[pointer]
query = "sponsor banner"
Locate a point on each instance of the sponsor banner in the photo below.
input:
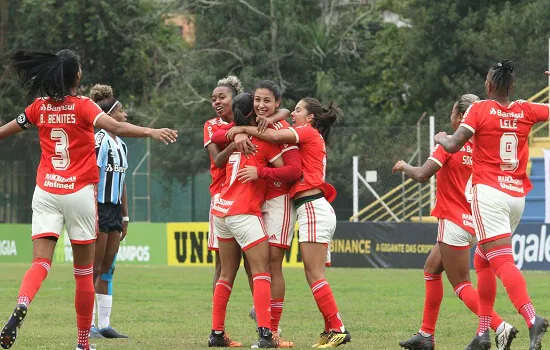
(377, 245)
(187, 245)
(144, 244)
(531, 247)
(547, 185)
(15, 243)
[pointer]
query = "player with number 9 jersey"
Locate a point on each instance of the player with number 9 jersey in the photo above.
(500, 157)
(500, 129)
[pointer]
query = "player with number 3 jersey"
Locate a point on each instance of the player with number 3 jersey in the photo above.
(65, 193)
(501, 151)
(455, 235)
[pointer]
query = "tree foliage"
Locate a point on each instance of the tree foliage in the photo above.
(382, 74)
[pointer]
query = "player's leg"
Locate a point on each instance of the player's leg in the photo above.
(80, 213)
(317, 225)
(101, 243)
(279, 217)
(433, 295)
(47, 223)
(104, 299)
(249, 232)
(230, 259)
(455, 254)
(496, 215)
(213, 244)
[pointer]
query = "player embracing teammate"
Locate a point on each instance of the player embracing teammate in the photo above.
(500, 128)
(311, 194)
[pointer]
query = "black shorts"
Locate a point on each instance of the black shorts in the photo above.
(110, 217)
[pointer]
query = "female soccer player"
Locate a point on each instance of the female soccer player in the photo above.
(66, 178)
(222, 96)
(239, 226)
(316, 218)
(277, 211)
(112, 161)
(500, 184)
(456, 233)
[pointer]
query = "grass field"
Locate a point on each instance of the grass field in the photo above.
(169, 308)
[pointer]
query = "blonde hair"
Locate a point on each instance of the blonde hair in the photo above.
(233, 83)
(101, 92)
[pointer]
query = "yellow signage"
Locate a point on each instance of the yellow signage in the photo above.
(187, 245)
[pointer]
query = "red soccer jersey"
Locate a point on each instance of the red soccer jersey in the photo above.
(218, 174)
(66, 133)
(245, 198)
(501, 150)
(454, 184)
(278, 188)
(314, 162)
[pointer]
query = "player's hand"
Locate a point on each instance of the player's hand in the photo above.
(124, 230)
(248, 173)
(230, 134)
(398, 167)
(164, 135)
(440, 137)
(547, 73)
(263, 123)
(244, 145)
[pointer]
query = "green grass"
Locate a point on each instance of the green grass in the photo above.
(169, 308)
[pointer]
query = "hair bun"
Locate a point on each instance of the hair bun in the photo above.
(101, 92)
(507, 65)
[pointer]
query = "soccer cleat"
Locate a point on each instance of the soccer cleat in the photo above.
(280, 343)
(222, 340)
(336, 339)
(81, 347)
(480, 342)
(9, 332)
(252, 315)
(536, 332)
(110, 333)
(418, 342)
(504, 339)
(323, 339)
(265, 339)
(94, 333)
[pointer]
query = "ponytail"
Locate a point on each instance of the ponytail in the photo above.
(323, 116)
(44, 73)
(503, 76)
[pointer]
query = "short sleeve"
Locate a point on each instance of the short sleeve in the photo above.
(100, 148)
(29, 116)
(539, 112)
(273, 152)
(439, 156)
(471, 118)
(89, 111)
(208, 132)
(285, 147)
(303, 133)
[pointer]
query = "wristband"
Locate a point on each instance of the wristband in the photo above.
(125, 219)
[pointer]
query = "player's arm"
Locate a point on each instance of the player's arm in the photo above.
(454, 143)
(219, 136)
(221, 158)
(286, 169)
(265, 122)
(418, 174)
(273, 136)
(165, 135)
(10, 128)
